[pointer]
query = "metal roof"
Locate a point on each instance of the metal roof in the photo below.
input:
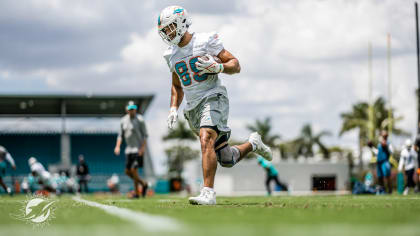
(53, 126)
(70, 105)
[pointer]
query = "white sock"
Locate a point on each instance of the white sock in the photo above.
(209, 189)
(254, 147)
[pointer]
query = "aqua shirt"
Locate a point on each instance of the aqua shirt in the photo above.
(272, 171)
(382, 155)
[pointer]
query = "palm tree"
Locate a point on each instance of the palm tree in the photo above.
(264, 129)
(180, 152)
(304, 144)
(358, 119)
(180, 133)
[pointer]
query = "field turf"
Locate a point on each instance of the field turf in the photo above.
(262, 216)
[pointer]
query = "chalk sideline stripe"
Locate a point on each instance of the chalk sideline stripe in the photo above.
(143, 220)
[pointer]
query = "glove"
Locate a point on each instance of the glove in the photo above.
(208, 66)
(172, 118)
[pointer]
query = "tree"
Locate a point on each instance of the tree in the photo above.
(358, 119)
(180, 133)
(181, 151)
(305, 142)
(264, 129)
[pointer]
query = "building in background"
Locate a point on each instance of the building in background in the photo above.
(56, 129)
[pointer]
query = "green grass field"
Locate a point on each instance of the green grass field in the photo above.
(263, 216)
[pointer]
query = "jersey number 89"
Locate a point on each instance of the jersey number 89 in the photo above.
(182, 69)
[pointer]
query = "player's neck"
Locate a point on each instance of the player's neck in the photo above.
(185, 40)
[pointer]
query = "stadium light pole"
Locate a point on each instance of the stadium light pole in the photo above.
(390, 118)
(418, 67)
(371, 124)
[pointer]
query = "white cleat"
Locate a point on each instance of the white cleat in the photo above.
(206, 197)
(260, 147)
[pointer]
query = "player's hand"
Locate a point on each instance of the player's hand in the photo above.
(141, 152)
(172, 118)
(117, 151)
(14, 167)
(208, 66)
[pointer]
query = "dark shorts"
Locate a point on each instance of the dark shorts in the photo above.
(133, 161)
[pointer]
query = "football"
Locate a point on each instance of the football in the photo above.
(215, 58)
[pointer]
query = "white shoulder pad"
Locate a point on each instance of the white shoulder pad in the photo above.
(167, 55)
(215, 45)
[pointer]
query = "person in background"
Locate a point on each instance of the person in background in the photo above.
(44, 178)
(5, 155)
(417, 149)
(272, 174)
(133, 130)
(408, 161)
(113, 183)
(82, 174)
(383, 167)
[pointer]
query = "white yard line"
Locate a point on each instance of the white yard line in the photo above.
(144, 221)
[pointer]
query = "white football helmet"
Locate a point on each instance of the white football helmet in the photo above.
(177, 20)
(408, 143)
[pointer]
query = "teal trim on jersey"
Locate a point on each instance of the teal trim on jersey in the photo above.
(178, 10)
(195, 70)
(183, 74)
(159, 22)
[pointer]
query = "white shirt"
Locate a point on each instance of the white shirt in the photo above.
(182, 61)
(39, 169)
(134, 132)
(407, 159)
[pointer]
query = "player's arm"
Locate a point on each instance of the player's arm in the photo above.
(230, 62)
(177, 93)
(119, 141)
(10, 159)
(143, 131)
(142, 148)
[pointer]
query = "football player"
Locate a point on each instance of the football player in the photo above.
(5, 155)
(195, 61)
(43, 177)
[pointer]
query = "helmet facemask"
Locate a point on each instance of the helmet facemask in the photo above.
(173, 23)
(169, 34)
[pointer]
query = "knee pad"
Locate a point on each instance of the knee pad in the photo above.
(227, 156)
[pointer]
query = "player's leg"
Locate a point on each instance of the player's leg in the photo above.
(380, 175)
(209, 165)
(387, 173)
(137, 179)
(128, 165)
(227, 155)
(267, 184)
(209, 160)
(3, 184)
(410, 180)
(136, 182)
(3, 174)
(279, 183)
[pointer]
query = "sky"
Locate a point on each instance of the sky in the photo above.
(303, 61)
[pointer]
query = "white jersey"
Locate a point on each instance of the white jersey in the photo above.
(182, 61)
(39, 169)
(407, 159)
